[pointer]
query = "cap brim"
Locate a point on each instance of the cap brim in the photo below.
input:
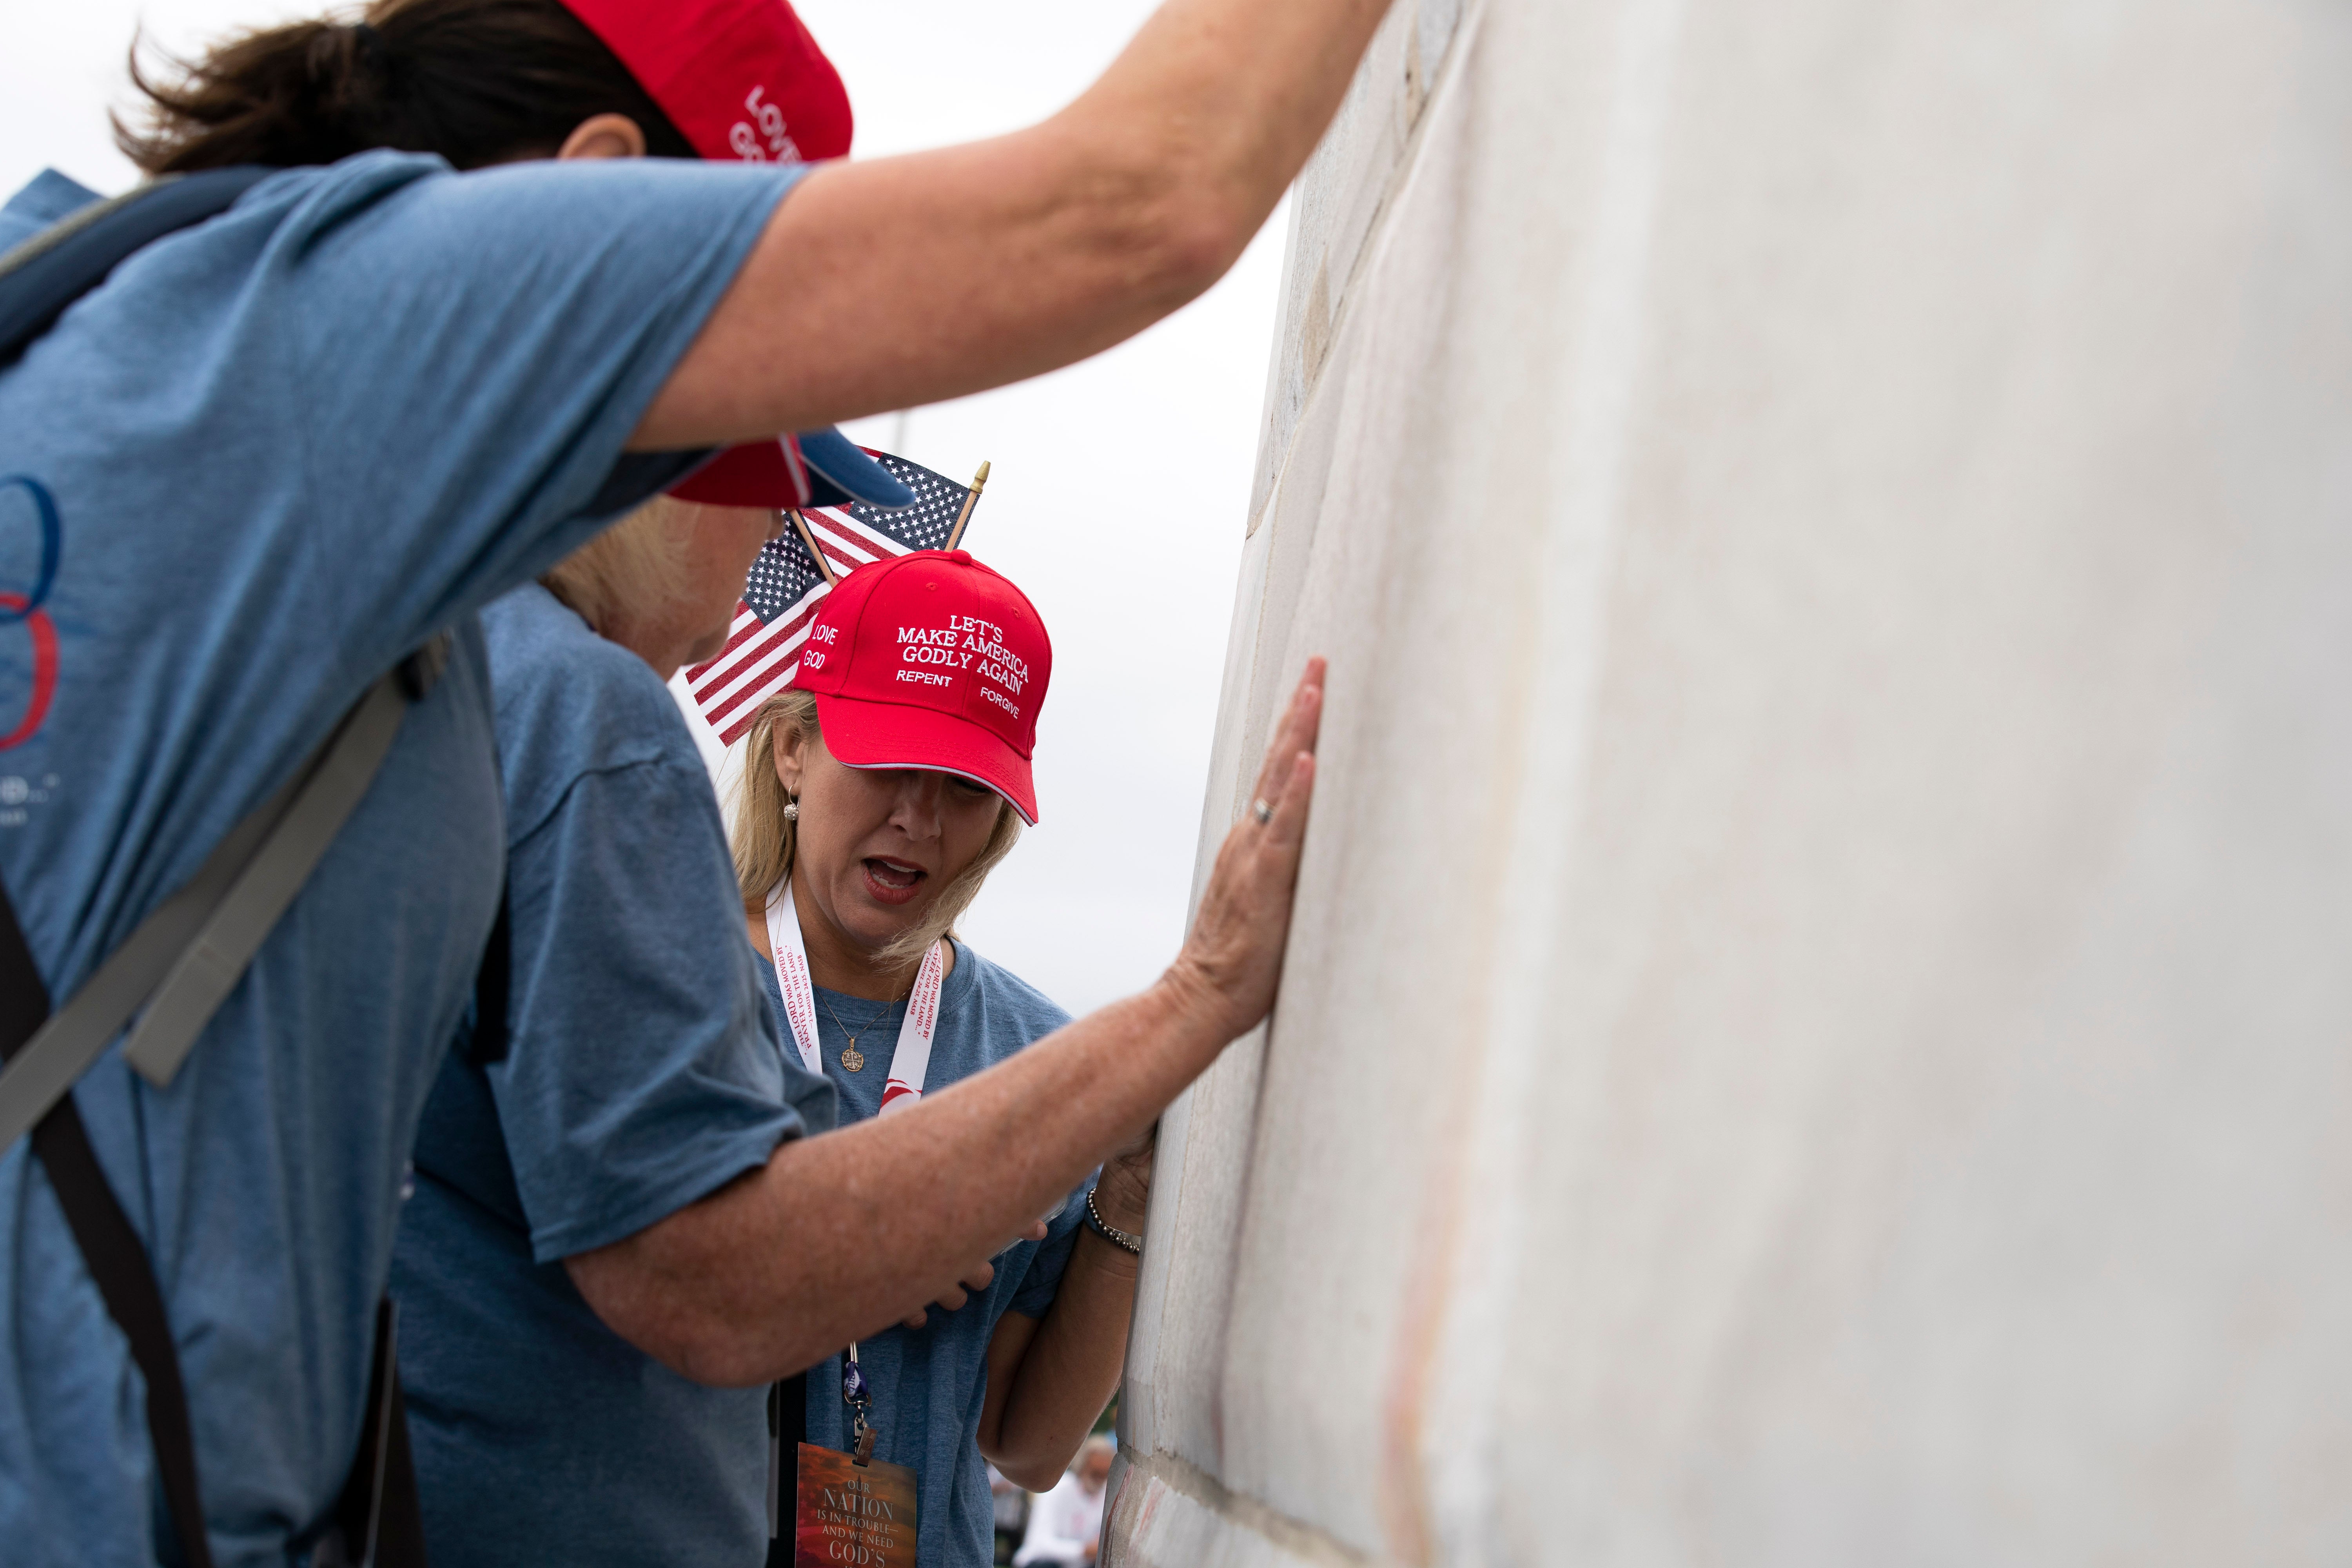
(840, 472)
(896, 736)
(815, 468)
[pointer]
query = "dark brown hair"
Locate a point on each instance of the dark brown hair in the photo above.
(478, 81)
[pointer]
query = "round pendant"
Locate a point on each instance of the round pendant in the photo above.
(851, 1059)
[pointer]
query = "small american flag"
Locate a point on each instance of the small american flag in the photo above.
(779, 599)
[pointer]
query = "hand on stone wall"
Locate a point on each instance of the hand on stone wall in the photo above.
(1232, 962)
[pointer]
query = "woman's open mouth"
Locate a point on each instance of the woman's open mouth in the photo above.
(893, 881)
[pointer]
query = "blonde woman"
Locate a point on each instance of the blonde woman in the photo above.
(878, 794)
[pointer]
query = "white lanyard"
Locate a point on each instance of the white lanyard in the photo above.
(910, 1059)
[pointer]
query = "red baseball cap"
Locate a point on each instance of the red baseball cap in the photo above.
(931, 660)
(815, 468)
(740, 80)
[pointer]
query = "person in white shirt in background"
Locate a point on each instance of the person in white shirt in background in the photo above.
(1011, 1506)
(1065, 1525)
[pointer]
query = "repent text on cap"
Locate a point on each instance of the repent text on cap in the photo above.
(931, 660)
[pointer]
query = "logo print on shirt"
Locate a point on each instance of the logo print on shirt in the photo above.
(24, 610)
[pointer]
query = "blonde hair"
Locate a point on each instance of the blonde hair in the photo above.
(636, 568)
(765, 837)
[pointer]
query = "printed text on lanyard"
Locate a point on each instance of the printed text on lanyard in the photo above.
(910, 1058)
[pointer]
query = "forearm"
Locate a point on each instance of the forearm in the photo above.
(909, 280)
(1071, 1367)
(1234, 93)
(840, 1235)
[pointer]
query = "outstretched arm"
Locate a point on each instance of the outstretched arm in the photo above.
(909, 281)
(839, 1235)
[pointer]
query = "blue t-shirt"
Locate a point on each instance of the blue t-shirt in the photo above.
(285, 447)
(929, 1383)
(642, 1072)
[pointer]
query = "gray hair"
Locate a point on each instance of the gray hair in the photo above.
(635, 569)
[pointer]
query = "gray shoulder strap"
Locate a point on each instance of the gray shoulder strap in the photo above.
(188, 954)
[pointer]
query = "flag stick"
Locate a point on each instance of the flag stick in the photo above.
(810, 540)
(979, 483)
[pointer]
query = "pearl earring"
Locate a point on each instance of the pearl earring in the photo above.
(791, 810)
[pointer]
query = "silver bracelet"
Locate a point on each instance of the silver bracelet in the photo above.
(1110, 1232)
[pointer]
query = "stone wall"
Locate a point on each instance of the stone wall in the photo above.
(1819, 1024)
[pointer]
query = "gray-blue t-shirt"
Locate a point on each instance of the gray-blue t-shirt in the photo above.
(285, 447)
(929, 1383)
(642, 1071)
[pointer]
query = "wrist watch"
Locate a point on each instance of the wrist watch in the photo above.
(1110, 1232)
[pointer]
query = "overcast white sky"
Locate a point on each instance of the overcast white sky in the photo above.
(1119, 486)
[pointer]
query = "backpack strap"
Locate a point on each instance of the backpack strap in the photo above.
(117, 1263)
(189, 953)
(69, 258)
(109, 1249)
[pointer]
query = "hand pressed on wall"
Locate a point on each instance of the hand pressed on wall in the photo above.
(1232, 961)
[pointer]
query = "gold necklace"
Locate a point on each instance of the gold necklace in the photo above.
(852, 1059)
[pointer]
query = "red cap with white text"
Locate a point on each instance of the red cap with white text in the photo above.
(931, 660)
(742, 80)
(739, 79)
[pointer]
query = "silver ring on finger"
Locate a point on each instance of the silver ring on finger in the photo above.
(1263, 809)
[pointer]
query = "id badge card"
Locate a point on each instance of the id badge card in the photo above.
(845, 1513)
